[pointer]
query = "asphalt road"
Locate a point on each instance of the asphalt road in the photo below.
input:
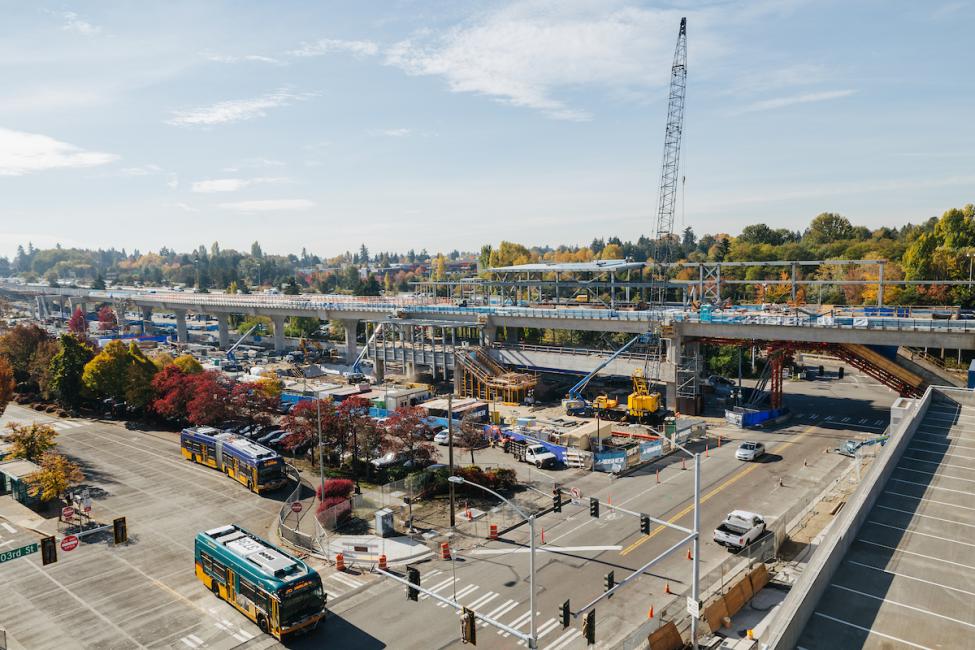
(493, 579)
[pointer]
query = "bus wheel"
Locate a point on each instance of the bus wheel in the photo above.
(215, 588)
(262, 623)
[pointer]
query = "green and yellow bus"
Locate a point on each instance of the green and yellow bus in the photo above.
(247, 462)
(280, 593)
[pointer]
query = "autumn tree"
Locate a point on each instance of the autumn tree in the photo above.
(39, 369)
(7, 384)
(19, 345)
(208, 404)
(303, 424)
(107, 320)
(30, 441)
(174, 390)
(256, 401)
(471, 434)
(359, 430)
(77, 323)
(188, 364)
(56, 475)
(406, 433)
(107, 373)
(139, 375)
(67, 368)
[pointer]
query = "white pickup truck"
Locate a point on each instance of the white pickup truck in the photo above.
(739, 529)
(533, 453)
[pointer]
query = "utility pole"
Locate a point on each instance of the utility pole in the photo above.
(696, 570)
(321, 465)
(450, 453)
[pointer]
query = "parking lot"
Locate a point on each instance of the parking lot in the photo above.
(145, 593)
(909, 578)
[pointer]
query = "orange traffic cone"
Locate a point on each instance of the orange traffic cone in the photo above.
(650, 613)
(339, 562)
(382, 562)
(690, 556)
(666, 587)
(543, 536)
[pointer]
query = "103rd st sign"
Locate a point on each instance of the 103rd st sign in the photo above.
(15, 553)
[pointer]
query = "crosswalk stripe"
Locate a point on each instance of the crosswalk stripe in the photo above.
(346, 580)
(188, 642)
(460, 594)
(515, 624)
(564, 640)
(501, 611)
(437, 588)
(9, 528)
(483, 600)
(547, 627)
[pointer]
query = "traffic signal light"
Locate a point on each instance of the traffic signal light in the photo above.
(593, 507)
(121, 531)
(468, 627)
(414, 576)
(610, 582)
(645, 524)
(564, 614)
(557, 501)
(589, 627)
(49, 551)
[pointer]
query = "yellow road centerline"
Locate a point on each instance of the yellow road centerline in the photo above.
(737, 477)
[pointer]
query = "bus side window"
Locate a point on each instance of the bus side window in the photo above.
(253, 594)
(213, 568)
(228, 460)
(211, 451)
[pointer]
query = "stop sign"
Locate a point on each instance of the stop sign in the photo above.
(69, 543)
(296, 506)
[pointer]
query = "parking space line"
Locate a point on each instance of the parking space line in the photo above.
(941, 503)
(934, 462)
(915, 532)
(929, 486)
(917, 514)
(941, 454)
(918, 471)
(904, 575)
(940, 444)
(904, 605)
(900, 550)
(869, 631)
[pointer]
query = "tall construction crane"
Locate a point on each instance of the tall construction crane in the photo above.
(669, 172)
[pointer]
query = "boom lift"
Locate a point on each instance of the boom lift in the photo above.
(355, 374)
(576, 404)
(231, 357)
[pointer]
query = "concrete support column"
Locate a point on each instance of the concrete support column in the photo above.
(511, 335)
(182, 335)
(223, 331)
(351, 347)
(146, 317)
(379, 370)
(278, 322)
(880, 285)
(489, 334)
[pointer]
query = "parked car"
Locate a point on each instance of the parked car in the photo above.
(389, 459)
(739, 529)
(442, 437)
(268, 436)
(750, 450)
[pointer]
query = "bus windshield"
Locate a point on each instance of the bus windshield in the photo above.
(268, 473)
(301, 604)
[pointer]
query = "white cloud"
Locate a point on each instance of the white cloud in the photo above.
(392, 133)
(172, 181)
(185, 207)
(230, 58)
(231, 184)
(325, 46)
(74, 23)
(144, 170)
(269, 205)
(529, 53)
(235, 110)
(22, 153)
(791, 100)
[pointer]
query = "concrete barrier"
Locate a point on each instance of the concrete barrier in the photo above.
(794, 612)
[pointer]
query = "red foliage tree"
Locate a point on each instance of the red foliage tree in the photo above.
(406, 432)
(174, 390)
(252, 403)
(77, 323)
(107, 320)
(209, 403)
(302, 422)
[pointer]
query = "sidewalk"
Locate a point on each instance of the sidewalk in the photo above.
(22, 516)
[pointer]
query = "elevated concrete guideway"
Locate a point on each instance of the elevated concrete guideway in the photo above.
(917, 332)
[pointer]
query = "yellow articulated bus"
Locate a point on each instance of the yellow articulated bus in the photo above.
(280, 593)
(247, 462)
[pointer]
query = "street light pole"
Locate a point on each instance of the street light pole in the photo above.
(696, 570)
(321, 465)
(450, 454)
(533, 641)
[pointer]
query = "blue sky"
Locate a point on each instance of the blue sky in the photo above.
(442, 125)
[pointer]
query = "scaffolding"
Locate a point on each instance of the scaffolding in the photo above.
(477, 375)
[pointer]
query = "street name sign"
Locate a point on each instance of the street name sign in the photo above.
(15, 553)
